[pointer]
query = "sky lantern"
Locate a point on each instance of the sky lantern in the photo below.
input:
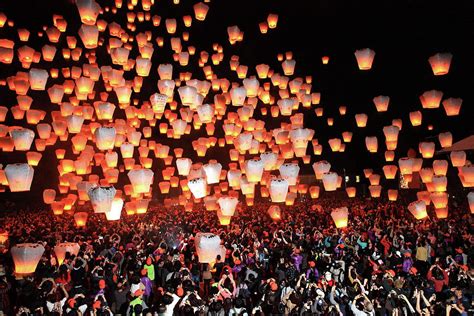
(288, 67)
(452, 106)
(269, 160)
(458, 158)
(278, 190)
(272, 20)
(330, 181)
(325, 60)
(351, 192)
(439, 199)
(365, 58)
(49, 195)
(371, 143)
(88, 10)
(227, 205)
(19, 176)
(406, 165)
(375, 190)
(274, 211)
(440, 63)
(101, 198)
(468, 173)
(439, 183)
(390, 171)
(431, 99)
(392, 195)
(254, 169)
(427, 149)
(361, 119)
(289, 172)
(445, 139)
(208, 246)
(470, 199)
(115, 211)
(61, 249)
(81, 219)
(38, 78)
(26, 257)
(440, 167)
(340, 217)
(22, 138)
(105, 138)
(320, 168)
(198, 187)
(89, 35)
(415, 118)
(381, 103)
(184, 166)
(141, 179)
(212, 170)
(418, 209)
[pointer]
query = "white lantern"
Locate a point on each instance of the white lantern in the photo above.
(26, 257)
(418, 209)
(289, 172)
(330, 181)
(184, 166)
(238, 96)
(234, 176)
(206, 113)
(470, 199)
(22, 138)
(105, 138)
(19, 176)
(101, 198)
(278, 190)
(158, 102)
(320, 168)
(62, 248)
(88, 10)
(340, 216)
(198, 187)
(227, 205)
(208, 246)
(365, 58)
(213, 172)
(269, 159)
(141, 180)
(254, 169)
(115, 211)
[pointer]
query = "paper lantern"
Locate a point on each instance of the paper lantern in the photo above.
(391, 133)
(351, 192)
(406, 165)
(62, 248)
(458, 158)
(415, 118)
(269, 160)
(440, 168)
(335, 144)
(361, 119)
(470, 199)
(141, 180)
(19, 176)
(227, 205)
(330, 181)
(26, 257)
(375, 190)
(371, 143)
(452, 106)
(200, 11)
(365, 58)
(274, 212)
(81, 219)
(441, 213)
(381, 103)
(184, 166)
(278, 190)
(88, 10)
(234, 176)
(89, 35)
(38, 78)
(445, 139)
(105, 138)
(468, 173)
(101, 198)
(418, 209)
(440, 63)
(198, 187)
(213, 171)
(22, 138)
(390, 171)
(340, 217)
(439, 183)
(272, 20)
(254, 169)
(439, 199)
(289, 172)
(392, 195)
(427, 149)
(208, 246)
(115, 211)
(49, 195)
(320, 168)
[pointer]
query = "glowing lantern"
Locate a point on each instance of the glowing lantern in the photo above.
(351, 192)
(458, 158)
(184, 166)
(278, 190)
(62, 248)
(340, 217)
(335, 144)
(439, 199)
(445, 139)
(227, 205)
(418, 209)
(272, 20)
(81, 219)
(254, 169)
(26, 257)
(89, 35)
(391, 133)
(470, 199)
(38, 78)
(101, 198)
(200, 11)
(141, 180)
(440, 168)
(390, 171)
(415, 118)
(208, 246)
(431, 99)
(392, 195)
(330, 181)
(234, 176)
(289, 172)
(49, 195)
(371, 143)
(375, 190)
(440, 63)
(361, 119)
(452, 106)
(198, 187)
(212, 170)
(22, 138)
(115, 211)
(274, 212)
(365, 58)
(468, 173)
(19, 176)
(320, 168)
(88, 10)
(381, 103)
(439, 183)
(105, 138)
(288, 67)
(427, 149)
(406, 165)
(441, 213)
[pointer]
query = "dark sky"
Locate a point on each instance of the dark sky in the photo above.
(404, 34)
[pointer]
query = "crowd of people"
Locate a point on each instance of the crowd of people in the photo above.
(384, 263)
